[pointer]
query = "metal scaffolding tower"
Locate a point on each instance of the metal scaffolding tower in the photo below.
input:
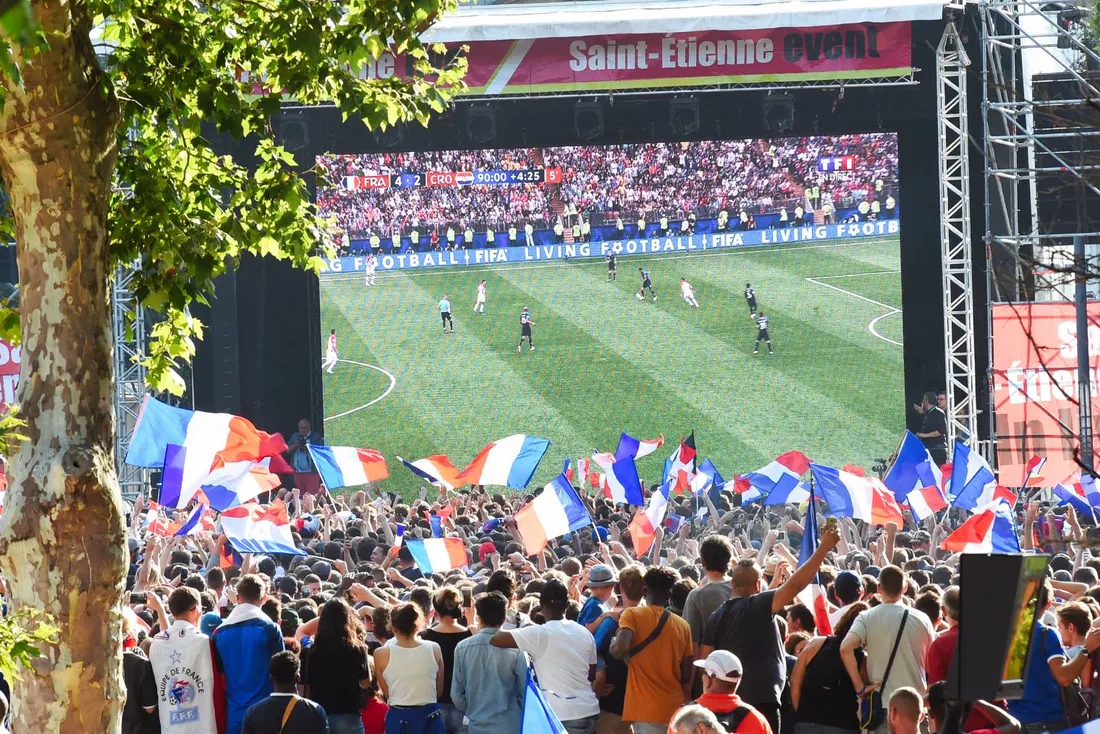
(955, 242)
(130, 387)
(1041, 91)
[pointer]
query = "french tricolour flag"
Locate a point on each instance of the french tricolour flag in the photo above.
(705, 478)
(643, 528)
(621, 477)
(913, 469)
(538, 717)
(788, 495)
(680, 467)
(991, 529)
(813, 596)
(226, 486)
(345, 466)
(638, 448)
(925, 502)
(1076, 499)
(555, 511)
(509, 462)
(255, 529)
(438, 554)
(193, 521)
(208, 439)
(1033, 472)
(1087, 488)
(438, 470)
(973, 482)
(783, 475)
(847, 494)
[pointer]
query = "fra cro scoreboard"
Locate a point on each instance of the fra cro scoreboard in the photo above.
(452, 178)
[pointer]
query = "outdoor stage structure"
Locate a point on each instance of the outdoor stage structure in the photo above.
(550, 74)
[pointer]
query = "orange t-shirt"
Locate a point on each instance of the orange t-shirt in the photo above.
(720, 704)
(653, 688)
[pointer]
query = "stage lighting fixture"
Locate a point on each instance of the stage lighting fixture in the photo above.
(779, 113)
(683, 116)
(481, 122)
(389, 137)
(588, 119)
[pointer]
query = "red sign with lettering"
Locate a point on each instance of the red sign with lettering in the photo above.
(10, 358)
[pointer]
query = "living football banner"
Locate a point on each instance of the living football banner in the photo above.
(1035, 387)
(656, 60)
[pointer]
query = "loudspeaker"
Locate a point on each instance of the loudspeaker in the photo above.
(683, 116)
(588, 119)
(779, 112)
(481, 122)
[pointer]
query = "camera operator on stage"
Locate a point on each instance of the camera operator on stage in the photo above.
(306, 477)
(933, 427)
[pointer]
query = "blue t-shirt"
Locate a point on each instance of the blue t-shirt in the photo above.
(1042, 701)
(243, 651)
(444, 306)
(592, 609)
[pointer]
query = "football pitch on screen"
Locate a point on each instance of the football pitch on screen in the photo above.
(606, 363)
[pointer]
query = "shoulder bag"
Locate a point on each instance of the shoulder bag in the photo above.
(872, 712)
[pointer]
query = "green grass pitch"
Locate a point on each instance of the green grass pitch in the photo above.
(605, 363)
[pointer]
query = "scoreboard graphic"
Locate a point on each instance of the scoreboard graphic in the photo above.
(408, 180)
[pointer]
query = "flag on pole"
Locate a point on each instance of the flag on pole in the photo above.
(973, 482)
(680, 467)
(813, 596)
(399, 536)
(554, 512)
(1076, 500)
(1087, 488)
(192, 523)
(913, 469)
(885, 510)
(991, 529)
(438, 554)
(537, 717)
(846, 494)
(255, 529)
(437, 470)
(229, 485)
(621, 476)
(638, 448)
(437, 525)
(643, 528)
(346, 466)
(706, 478)
(509, 462)
(1033, 472)
(925, 502)
(783, 475)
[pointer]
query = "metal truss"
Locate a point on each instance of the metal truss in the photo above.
(128, 323)
(1041, 143)
(955, 242)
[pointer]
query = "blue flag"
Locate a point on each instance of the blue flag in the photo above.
(912, 469)
(538, 717)
(437, 525)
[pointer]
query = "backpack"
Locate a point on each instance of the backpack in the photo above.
(733, 719)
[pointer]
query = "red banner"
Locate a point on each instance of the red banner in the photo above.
(1035, 387)
(688, 59)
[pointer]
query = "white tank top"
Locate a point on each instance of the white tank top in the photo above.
(411, 673)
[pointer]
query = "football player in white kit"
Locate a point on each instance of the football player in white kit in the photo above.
(370, 268)
(479, 305)
(330, 353)
(688, 292)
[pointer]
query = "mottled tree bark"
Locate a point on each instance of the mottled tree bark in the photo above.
(62, 531)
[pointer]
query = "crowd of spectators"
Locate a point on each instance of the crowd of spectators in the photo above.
(602, 184)
(353, 636)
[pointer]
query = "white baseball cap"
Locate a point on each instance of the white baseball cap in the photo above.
(721, 664)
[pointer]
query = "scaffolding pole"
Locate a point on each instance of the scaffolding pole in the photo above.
(128, 322)
(955, 239)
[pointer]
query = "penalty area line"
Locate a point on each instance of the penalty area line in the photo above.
(393, 383)
(890, 310)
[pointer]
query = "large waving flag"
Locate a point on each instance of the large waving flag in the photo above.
(193, 522)
(846, 494)
(509, 462)
(885, 510)
(912, 469)
(1087, 488)
(991, 529)
(209, 439)
(438, 554)
(437, 470)
(973, 483)
(783, 475)
(706, 478)
(643, 528)
(538, 717)
(227, 486)
(638, 448)
(788, 495)
(1076, 500)
(555, 511)
(680, 467)
(813, 596)
(925, 502)
(621, 477)
(253, 529)
(346, 466)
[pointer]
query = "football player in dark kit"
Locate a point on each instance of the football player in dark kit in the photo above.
(525, 324)
(646, 283)
(762, 334)
(750, 296)
(612, 273)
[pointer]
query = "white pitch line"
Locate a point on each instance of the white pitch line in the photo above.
(393, 383)
(489, 267)
(856, 275)
(890, 310)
